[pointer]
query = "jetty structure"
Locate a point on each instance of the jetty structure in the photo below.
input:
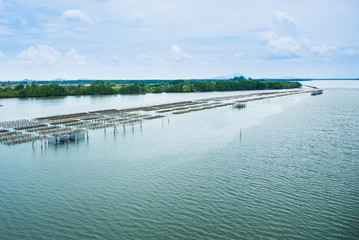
(315, 91)
(64, 128)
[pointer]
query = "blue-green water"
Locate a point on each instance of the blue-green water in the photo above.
(284, 168)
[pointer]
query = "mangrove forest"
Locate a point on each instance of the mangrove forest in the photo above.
(103, 87)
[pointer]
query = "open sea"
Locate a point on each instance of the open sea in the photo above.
(281, 168)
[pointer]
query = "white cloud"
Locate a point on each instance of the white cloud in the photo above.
(118, 59)
(4, 30)
(115, 57)
(266, 35)
(283, 17)
(50, 56)
(351, 52)
(2, 55)
(74, 58)
(199, 29)
(286, 47)
(284, 24)
(143, 57)
(75, 14)
(41, 54)
(324, 50)
(178, 54)
(284, 40)
(135, 15)
(238, 54)
(2, 4)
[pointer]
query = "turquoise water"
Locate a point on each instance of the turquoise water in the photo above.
(284, 168)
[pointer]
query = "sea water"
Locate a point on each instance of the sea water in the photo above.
(282, 168)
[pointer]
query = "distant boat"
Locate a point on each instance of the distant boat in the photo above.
(239, 105)
(317, 92)
(1, 105)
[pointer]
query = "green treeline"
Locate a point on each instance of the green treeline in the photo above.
(110, 88)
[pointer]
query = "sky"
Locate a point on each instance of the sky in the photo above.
(176, 39)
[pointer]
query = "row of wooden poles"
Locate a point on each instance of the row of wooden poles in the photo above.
(18, 131)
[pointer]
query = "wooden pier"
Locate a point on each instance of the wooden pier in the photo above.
(73, 127)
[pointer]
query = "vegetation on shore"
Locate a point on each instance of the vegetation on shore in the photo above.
(110, 87)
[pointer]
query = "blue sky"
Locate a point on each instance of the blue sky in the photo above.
(162, 39)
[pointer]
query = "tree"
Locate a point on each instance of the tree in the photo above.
(239, 78)
(98, 83)
(186, 88)
(157, 89)
(23, 93)
(19, 87)
(262, 85)
(111, 84)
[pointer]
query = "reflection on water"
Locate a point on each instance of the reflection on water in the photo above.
(293, 174)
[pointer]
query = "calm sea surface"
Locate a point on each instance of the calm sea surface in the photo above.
(283, 168)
